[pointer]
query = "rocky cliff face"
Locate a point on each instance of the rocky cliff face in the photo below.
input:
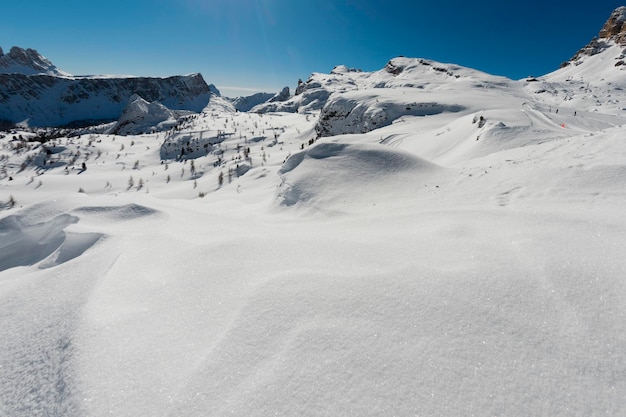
(613, 32)
(43, 100)
(615, 27)
(35, 92)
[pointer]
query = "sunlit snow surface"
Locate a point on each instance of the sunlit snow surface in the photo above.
(437, 266)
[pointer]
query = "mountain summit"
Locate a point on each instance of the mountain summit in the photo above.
(27, 62)
(612, 33)
(615, 28)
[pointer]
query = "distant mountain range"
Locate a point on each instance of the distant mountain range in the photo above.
(34, 92)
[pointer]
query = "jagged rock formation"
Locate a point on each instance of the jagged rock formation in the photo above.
(27, 62)
(615, 27)
(613, 31)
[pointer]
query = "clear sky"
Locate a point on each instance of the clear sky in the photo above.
(244, 46)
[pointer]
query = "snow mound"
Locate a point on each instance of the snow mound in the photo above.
(25, 244)
(335, 175)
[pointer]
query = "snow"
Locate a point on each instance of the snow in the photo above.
(435, 264)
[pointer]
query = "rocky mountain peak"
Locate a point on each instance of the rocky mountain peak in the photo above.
(27, 62)
(615, 27)
(614, 30)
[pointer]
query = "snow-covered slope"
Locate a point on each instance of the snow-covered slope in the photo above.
(460, 258)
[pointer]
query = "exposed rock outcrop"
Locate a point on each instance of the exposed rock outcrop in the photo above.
(615, 27)
(613, 31)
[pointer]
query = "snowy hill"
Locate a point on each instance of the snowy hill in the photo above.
(422, 240)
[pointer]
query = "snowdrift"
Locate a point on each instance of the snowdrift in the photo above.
(334, 174)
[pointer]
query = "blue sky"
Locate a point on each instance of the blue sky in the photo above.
(243, 46)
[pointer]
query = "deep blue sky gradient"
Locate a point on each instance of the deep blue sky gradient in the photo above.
(265, 45)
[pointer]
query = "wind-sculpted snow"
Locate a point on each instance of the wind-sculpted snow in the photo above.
(26, 241)
(331, 175)
(26, 244)
(127, 212)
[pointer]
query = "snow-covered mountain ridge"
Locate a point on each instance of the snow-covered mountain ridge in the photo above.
(34, 92)
(44, 100)
(28, 62)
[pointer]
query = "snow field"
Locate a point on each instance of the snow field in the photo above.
(409, 270)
